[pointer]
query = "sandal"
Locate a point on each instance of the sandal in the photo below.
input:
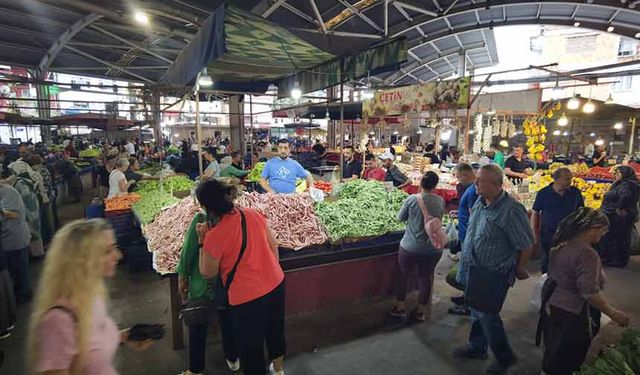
(419, 316)
(397, 312)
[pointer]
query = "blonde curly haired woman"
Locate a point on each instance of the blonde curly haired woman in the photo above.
(71, 332)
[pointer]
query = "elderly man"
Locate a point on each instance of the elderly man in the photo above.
(495, 251)
(553, 203)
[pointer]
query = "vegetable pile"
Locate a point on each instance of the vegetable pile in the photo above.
(363, 209)
(175, 183)
(166, 232)
(152, 204)
(290, 216)
(324, 186)
(89, 153)
(256, 172)
(623, 359)
(120, 203)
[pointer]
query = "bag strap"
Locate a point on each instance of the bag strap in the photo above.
(423, 207)
(232, 273)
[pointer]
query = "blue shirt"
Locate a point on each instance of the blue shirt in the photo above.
(495, 237)
(464, 210)
(282, 174)
(554, 207)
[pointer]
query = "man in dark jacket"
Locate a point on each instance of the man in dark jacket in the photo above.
(620, 204)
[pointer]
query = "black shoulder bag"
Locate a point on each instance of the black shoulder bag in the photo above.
(222, 290)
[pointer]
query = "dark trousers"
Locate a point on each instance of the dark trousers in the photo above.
(18, 267)
(46, 224)
(567, 339)
(615, 247)
(407, 262)
(487, 330)
(7, 301)
(545, 249)
(257, 322)
(198, 342)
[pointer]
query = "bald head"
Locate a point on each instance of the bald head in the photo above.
(562, 178)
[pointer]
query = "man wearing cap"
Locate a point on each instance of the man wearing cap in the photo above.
(393, 173)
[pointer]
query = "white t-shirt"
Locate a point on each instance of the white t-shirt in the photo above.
(130, 148)
(114, 186)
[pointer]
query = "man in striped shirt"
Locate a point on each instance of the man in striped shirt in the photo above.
(499, 238)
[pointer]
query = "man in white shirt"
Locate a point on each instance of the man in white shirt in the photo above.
(130, 148)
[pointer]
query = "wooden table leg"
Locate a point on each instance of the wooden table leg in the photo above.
(176, 303)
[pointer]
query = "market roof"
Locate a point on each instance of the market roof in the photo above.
(102, 38)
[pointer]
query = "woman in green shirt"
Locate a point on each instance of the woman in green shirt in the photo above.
(498, 157)
(194, 286)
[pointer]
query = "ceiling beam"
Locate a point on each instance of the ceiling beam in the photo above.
(107, 63)
(273, 8)
(402, 11)
(300, 13)
(342, 33)
(90, 68)
(130, 43)
(417, 9)
(318, 15)
(62, 40)
(121, 46)
(361, 15)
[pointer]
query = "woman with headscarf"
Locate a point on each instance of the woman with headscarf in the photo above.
(572, 295)
(25, 183)
(620, 204)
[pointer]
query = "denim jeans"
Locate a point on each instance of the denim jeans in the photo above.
(487, 330)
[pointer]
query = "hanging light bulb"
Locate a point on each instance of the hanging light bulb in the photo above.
(592, 134)
(609, 100)
(565, 134)
(589, 107)
(573, 103)
(599, 142)
(491, 111)
(618, 125)
(296, 92)
(419, 131)
(556, 132)
(368, 93)
(563, 120)
(204, 79)
(557, 92)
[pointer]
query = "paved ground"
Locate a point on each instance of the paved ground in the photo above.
(357, 339)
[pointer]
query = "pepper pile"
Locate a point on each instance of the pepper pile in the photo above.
(364, 209)
(152, 204)
(121, 203)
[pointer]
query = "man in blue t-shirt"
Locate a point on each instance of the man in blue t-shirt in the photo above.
(280, 173)
(553, 203)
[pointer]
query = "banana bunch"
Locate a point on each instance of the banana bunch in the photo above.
(536, 134)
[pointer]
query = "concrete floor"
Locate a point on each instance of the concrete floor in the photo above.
(357, 339)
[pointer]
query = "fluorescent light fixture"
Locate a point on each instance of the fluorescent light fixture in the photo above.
(589, 107)
(592, 134)
(609, 100)
(576, 24)
(491, 111)
(618, 125)
(599, 142)
(395, 132)
(141, 17)
(296, 92)
(610, 29)
(372, 133)
(557, 92)
(204, 79)
(556, 132)
(176, 135)
(573, 103)
(563, 120)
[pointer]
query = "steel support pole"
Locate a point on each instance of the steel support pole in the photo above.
(341, 127)
(198, 129)
(633, 132)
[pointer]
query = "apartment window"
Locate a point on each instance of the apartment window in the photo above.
(623, 84)
(627, 47)
(581, 44)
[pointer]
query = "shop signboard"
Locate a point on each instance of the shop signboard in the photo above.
(426, 97)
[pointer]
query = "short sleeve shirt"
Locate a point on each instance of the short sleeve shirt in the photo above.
(415, 239)
(15, 232)
(396, 176)
(282, 174)
(213, 168)
(258, 272)
(516, 166)
(351, 169)
(377, 174)
(57, 346)
(554, 207)
(467, 201)
(114, 182)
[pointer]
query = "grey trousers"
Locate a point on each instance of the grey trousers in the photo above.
(7, 301)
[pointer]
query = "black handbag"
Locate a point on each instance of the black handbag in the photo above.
(222, 290)
(197, 311)
(486, 289)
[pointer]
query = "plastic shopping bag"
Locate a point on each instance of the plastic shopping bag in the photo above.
(316, 194)
(536, 298)
(452, 231)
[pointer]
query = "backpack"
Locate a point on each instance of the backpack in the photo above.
(432, 226)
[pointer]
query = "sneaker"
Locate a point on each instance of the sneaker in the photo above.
(234, 365)
(458, 300)
(11, 327)
(497, 367)
(272, 370)
(467, 352)
(397, 313)
(4, 334)
(459, 310)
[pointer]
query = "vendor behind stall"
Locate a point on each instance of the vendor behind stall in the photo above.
(393, 173)
(372, 171)
(132, 173)
(235, 169)
(352, 167)
(516, 167)
(118, 184)
(280, 173)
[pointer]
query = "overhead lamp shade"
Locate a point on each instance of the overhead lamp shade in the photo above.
(573, 103)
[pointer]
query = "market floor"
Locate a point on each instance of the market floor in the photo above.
(357, 339)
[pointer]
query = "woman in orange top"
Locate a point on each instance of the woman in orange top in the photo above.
(256, 293)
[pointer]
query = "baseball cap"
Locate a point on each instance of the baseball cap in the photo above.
(386, 155)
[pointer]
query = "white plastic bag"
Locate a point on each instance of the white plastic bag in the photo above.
(452, 231)
(536, 298)
(316, 194)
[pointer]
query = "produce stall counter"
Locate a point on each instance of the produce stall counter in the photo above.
(323, 277)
